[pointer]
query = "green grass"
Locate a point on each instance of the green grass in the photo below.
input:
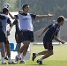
(58, 59)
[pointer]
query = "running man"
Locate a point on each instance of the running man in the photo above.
(52, 32)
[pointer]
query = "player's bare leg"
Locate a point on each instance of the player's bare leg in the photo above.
(46, 55)
(2, 52)
(34, 55)
(26, 45)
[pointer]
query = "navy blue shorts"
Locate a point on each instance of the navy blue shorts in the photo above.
(48, 45)
(27, 36)
(6, 41)
(18, 37)
(3, 37)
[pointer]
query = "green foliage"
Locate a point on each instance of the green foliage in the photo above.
(39, 6)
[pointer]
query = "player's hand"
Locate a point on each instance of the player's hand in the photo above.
(50, 15)
(62, 42)
(39, 35)
(8, 33)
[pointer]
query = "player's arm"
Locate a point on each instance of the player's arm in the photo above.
(10, 24)
(39, 35)
(59, 40)
(46, 28)
(43, 16)
(13, 17)
(15, 22)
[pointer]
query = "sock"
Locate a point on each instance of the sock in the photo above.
(36, 54)
(5, 54)
(40, 59)
(2, 59)
(18, 55)
(22, 59)
(9, 59)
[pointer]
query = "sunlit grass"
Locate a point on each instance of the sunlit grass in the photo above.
(58, 59)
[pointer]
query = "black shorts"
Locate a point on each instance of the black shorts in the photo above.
(27, 36)
(6, 41)
(3, 37)
(18, 37)
(48, 45)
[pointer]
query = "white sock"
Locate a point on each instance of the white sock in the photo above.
(18, 55)
(22, 59)
(36, 54)
(40, 59)
(5, 54)
(9, 59)
(2, 59)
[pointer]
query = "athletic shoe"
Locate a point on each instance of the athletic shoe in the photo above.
(22, 62)
(6, 58)
(33, 56)
(16, 59)
(3, 63)
(11, 62)
(39, 62)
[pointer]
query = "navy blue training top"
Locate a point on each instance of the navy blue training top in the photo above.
(53, 30)
(16, 26)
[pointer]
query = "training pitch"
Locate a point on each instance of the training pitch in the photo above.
(58, 59)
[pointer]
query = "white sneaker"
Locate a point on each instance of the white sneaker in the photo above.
(11, 62)
(3, 63)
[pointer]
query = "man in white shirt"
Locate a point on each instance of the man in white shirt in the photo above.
(26, 27)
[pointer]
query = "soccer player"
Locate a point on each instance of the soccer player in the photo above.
(4, 24)
(26, 27)
(17, 33)
(2, 36)
(51, 33)
(2, 17)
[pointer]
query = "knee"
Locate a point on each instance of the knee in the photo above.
(51, 53)
(26, 45)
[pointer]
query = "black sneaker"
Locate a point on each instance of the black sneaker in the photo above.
(22, 62)
(33, 56)
(39, 62)
(11, 62)
(16, 59)
(6, 58)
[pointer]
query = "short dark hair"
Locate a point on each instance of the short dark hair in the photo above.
(60, 18)
(24, 6)
(5, 10)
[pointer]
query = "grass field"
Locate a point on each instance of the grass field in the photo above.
(58, 59)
